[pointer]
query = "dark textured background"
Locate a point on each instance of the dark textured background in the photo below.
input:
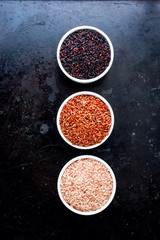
(32, 89)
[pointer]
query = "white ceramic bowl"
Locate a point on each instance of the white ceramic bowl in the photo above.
(90, 212)
(85, 80)
(92, 94)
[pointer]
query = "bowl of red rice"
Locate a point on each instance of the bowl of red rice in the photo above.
(86, 185)
(85, 120)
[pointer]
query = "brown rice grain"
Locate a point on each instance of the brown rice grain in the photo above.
(86, 185)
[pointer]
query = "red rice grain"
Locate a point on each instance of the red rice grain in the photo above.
(85, 120)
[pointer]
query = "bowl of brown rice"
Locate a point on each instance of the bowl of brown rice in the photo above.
(86, 185)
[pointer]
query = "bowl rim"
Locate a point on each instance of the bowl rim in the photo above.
(92, 94)
(84, 81)
(90, 212)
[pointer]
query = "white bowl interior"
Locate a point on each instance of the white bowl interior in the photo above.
(87, 93)
(85, 80)
(90, 212)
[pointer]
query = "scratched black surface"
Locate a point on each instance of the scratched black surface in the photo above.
(32, 89)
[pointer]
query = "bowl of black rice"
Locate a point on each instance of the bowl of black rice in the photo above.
(85, 54)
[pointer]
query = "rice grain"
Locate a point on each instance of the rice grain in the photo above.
(86, 185)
